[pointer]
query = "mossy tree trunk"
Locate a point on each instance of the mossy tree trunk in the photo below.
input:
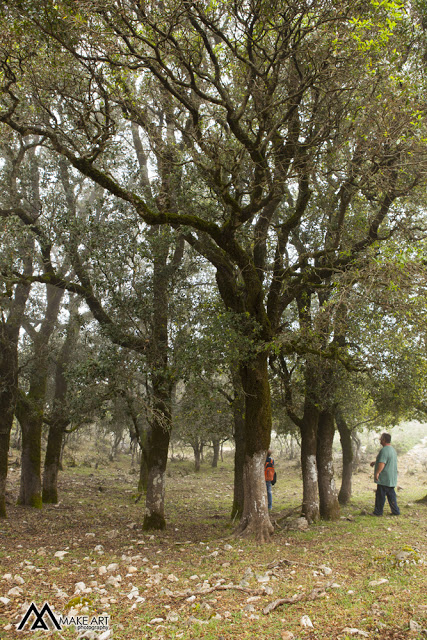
(328, 500)
(308, 429)
(59, 418)
(238, 407)
(345, 491)
(30, 406)
(9, 337)
(158, 354)
(255, 517)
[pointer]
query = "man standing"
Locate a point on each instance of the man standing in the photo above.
(385, 475)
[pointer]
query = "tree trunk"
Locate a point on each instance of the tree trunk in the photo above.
(308, 428)
(144, 438)
(239, 445)
(30, 493)
(255, 518)
(328, 500)
(9, 336)
(157, 461)
(8, 389)
(216, 448)
(347, 458)
(30, 406)
(59, 419)
(52, 460)
(161, 388)
(197, 449)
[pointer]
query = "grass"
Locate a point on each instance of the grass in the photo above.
(198, 551)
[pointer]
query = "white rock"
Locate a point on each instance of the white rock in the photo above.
(355, 632)
(195, 577)
(8, 627)
(172, 617)
(4, 600)
(172, 578)
(249, 607)
(113, 581)
(102, 570)
(79, 587)
(89, 535)
(414, 626)
(306, 622)
(376, 583)
(99, 549)
(325, 570)
(105, 635)
(228, 547)
(191, 599)
(263, 578)
(18, 580)
(132, 569)
(156, 620)
(60, 554)
(7, 577)
(112, 567)
(15, 591)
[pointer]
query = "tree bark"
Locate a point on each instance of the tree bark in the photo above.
(59, 419)
(328, 501)
(238, 407)
(144, 438)
(197, 450)
(308, 428)
(344, 494)
(255, 518)
(30, 406)
(161, 388)
(31, 422)
(9, 336)
(216, 448)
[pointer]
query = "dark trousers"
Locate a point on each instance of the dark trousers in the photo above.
(380, 496)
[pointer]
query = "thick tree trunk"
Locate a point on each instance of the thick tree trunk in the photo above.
(255, 518)
(144, 438)
(328, 500)
(344, 495)
(30, 406)
(52, 461)
(8, 390)
(239, 446)
(161, 387)
(308, 428)
(30, 493)
(157, 461)
(9, 336)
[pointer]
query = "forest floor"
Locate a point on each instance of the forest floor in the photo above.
(359, 577)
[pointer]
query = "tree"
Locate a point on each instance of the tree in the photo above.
(268, 100)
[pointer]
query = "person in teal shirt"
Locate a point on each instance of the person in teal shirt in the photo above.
(385, 475)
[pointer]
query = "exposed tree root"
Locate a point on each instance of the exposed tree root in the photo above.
(260, 531)
(219, 587)
(315, 594)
